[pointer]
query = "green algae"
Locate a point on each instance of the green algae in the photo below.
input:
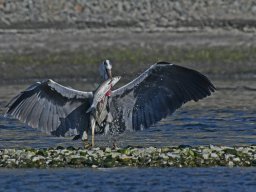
(210, 60)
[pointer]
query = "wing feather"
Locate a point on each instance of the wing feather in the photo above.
(54, 118)
(156, 93)
(31, 104)
(50, 106)
(30, 114)
(15, 113)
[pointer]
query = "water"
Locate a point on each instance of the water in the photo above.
(187, 126)
(226, 118)
(129, 179)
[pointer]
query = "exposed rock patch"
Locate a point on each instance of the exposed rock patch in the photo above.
(182, 156)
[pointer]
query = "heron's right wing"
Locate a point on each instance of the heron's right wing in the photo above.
(156, 93)
(53, 108)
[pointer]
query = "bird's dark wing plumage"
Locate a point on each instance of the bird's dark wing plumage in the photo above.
(52, 108)
(156, 93)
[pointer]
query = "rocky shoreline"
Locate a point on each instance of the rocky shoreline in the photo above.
(139, 16)
(181, 156)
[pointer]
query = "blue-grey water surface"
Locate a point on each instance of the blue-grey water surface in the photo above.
(129, 179)
(226, 118)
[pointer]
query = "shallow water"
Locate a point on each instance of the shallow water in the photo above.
(226, 118)
(189, 127)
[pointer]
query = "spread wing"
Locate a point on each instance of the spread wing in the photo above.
(156, 93)
(52, 108)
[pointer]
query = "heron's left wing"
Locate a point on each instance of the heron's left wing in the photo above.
(52, 108)
(156, 93)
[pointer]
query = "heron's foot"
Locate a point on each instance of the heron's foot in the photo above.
(87, 145)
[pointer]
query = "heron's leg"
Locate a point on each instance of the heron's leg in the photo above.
(92, 121)
(114, 145)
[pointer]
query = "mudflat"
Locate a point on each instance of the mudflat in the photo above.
(31, 54)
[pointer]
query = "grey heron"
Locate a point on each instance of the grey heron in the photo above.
(153, 95)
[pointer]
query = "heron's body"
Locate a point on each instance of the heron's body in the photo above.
(102, 90)
(156, 93)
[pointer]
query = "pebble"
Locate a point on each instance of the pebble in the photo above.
(214, 155)
(230, 164)
(206, 156)
(37, 158)
(237, 159)
(164, 156)
(173, 155)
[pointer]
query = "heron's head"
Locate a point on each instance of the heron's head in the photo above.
(106, 69)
